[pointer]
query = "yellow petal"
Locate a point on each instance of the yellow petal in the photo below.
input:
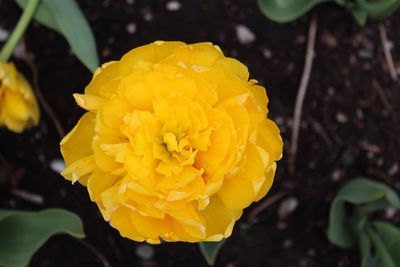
(240, 190)
(77, 144)
(219, 219)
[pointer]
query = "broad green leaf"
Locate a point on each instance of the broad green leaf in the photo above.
(359, 191)
(379, 9)
(65, 17)
(384, 257)
(23, 233)
(360, 16)
(42, 15)
(390, 236)
(286, 10)
(363, 191)
(210, 250)
(339, 230)
(367, 259)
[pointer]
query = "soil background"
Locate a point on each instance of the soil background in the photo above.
(347, 128)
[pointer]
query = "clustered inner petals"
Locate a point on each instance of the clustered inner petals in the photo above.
(175, 143)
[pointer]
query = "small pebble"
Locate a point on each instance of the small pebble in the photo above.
(130, 2)
(287, 206)
(131, 28)
(365, 53)
(144, 251)
(341, 117)
(173, 5)
(266, 53)
(244, 34)
(394, 169)
(336, 175)
(3, 34)
(287, 243)
(57, 165)
(329, 40)
(390, 212)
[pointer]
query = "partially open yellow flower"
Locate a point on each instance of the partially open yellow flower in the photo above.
(18, 106)
(175, 143)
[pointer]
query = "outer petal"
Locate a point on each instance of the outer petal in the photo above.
(239, 191)
(77, 144)
(219, 219)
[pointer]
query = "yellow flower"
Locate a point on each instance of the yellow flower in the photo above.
(18, 106)
(175, 142)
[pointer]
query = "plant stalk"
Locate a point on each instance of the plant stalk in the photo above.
(19, 30)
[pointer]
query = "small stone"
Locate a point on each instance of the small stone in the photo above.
(329, 40)
(336, 175)
(359, 113)
(281, 225)
(394, 169)
(3, 34)
(390, 212)
(287, 243)
(341, 117)
(144, 251)
(130, 2)
(173, 5)
(131, 28)
(287, 206)
(266, 53)
(57, 165)
(365, 53)
(311, 252)
(279, 120)
(244, 34)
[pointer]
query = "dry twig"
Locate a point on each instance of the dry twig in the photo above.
(263, 205)
(386, 49)
(382, 95)
(93, 249)
(28, 196)
(302, 92)
(53, 117)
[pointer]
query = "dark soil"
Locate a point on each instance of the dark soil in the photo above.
(347, 130)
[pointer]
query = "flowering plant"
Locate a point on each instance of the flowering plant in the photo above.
(18, 106)
(175, 142)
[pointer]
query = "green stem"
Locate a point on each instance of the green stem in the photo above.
(19, 30)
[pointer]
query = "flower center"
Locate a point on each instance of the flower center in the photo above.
(179, 149)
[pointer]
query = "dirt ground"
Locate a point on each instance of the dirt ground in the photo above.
(350, 125)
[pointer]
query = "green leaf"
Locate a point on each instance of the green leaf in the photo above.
(363, 191)
(359, 191)
(23, 233)
(390, 237)
(65, 17)
(379, 9)
(339, 230)
(365, 249)
(384, 257)
(360, 16)
(286, 10)
(210, 250)
(43, 15)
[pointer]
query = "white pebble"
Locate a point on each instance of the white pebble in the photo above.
(341, 117)
(287, 207)
(244, 34)
(131, 28)
(144, 251)
(57, 165)
(3, 34)
(267, 53)
(173, 5)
